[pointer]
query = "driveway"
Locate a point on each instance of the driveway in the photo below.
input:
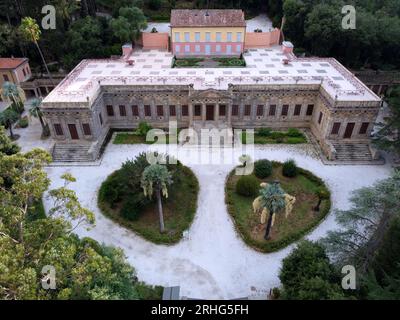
(212, 262)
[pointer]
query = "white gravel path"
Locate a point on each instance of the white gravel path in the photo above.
(213, 262)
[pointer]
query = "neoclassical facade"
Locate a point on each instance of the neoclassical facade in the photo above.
(275, 90)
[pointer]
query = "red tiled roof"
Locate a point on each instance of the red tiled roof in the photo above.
(11, 63)
(207, 18)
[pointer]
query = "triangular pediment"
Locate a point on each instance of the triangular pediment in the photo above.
(210, 94)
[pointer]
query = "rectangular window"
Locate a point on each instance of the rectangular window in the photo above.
(101, 119)
(272, 110)
(218, 37)
(187, 37)
(197, 36)
(187, 48)
(297, 109)
(86, 129)
(247, 110)
(197, 110)
(197, 48)
(135, 111)
(160, 111)
(238, 36)
(122, 111)
(260, 110)
(177, 37)
(222, 110)
(58, 129)
(218, 48)
(335, 128)
(177, 48)
(285, 109)
(310, 110)
(172, 111)
(185, 110)
(364, 128)
(5, 77)
(235, 110)
(147, 111)
(320, 118)
(229, 49)
(110, 111)
(229, 37)
(238, 48)
(23, 71)
(208, 36)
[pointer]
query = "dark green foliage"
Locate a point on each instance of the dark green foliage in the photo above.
(307, 274)
(264, 132)
(143, 128)
(262, 168)
(23, 123)
(289, 168)
(6, 145)
(133, 206)
(293, 132)
(247, 186)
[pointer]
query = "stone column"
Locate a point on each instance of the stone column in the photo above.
(203, 113)
(229, 114)
(190, 106)
(216, 112)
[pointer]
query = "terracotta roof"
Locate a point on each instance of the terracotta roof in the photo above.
(11, 63)
(207, 18)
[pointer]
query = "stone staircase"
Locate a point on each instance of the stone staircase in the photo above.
(353, 152)
(219, 135)
(63, 152)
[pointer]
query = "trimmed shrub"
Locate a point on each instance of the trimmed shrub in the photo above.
(23, 123)
(247, 186)
(293, 132)
(264, 132)
(262, 168)
(295, 140)
(277, 135)
(133, 207)
(289, 168)
(143, 128)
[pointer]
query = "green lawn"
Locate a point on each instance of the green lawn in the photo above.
(133, 138)
(285, 230)
(267, 136)
(179, 210)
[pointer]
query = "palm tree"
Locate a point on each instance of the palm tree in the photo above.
(36, 112)
(272, 198)
(156, 178)
(13, 94)
(31, 31)
(7, 118)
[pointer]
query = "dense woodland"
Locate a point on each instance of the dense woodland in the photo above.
(96, 28)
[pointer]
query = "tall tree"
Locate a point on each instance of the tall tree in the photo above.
(7, 119)
(31, 31)
(388, 135)
(14, 95)
(365, 224)
(36, 112)
(130, 22)
(273, 199)
(155, 179)
(307, 274)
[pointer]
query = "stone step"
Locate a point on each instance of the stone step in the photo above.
(71, 153)
(352, 152)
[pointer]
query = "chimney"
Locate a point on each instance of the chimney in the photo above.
(287, 47)
(126, 50)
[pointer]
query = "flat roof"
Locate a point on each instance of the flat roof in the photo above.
(207, 18)
(263, 67)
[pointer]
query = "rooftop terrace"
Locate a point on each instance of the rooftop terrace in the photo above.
(264, 67)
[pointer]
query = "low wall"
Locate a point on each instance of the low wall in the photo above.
(261, 39)
(156, 40)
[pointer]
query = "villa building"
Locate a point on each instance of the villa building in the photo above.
(275, 89)
(207, 32)
(15, 70)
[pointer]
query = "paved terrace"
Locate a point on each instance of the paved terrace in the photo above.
(264, 66)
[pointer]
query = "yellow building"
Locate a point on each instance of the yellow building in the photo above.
(207, 32)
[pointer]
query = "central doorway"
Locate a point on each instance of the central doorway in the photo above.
(73, 132)
(209, 112)
(349, 130)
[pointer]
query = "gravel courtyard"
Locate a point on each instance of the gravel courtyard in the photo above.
(212, 262)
